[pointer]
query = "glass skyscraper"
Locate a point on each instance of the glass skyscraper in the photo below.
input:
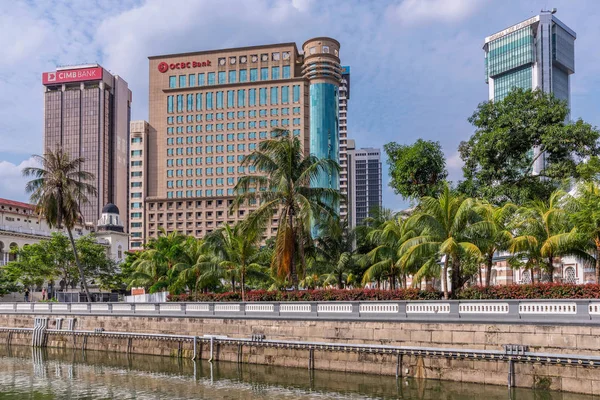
(538, 53)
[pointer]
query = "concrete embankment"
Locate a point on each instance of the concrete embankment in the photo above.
(443, 348)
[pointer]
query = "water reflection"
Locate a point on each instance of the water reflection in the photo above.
(27, 373)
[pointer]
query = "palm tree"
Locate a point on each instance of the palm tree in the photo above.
(198, 266)
(59, 188)
(384, 259)
(586, 217)
(442, 224)
(155, 267)
(333, 251)
(492, 232)
(238, 251)
(545, 234)
(282, 187)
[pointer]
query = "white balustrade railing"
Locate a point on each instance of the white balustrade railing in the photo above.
(483, 308)
(548, 308)
(227, 307)
(294, 308)
(428, 308)
(334, 308)
(508, 310)
(260, 308)
(378, 308)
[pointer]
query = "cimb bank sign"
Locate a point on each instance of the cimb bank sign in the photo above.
(72, 75)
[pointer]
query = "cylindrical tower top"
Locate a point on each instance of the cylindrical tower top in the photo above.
(322, 60)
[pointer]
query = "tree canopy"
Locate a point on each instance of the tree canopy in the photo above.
(513, 134)
(416, 170)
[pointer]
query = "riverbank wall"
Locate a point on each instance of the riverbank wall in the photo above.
(462, 352)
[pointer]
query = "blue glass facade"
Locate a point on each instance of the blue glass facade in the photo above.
(324, 130)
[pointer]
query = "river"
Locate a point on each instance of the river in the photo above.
(47, 374)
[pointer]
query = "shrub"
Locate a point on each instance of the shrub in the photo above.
(516, 292)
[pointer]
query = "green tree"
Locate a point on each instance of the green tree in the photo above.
(416, 170)
(334, 254)
(97, 264)
(492, 232)
(60, 186)
(499, 158)
(198, 267)
(238, 251)
(282, 187)
(384, 260)
(154, 268)
(545, 233)
(52, 259)
(585, 215)
(442, 223)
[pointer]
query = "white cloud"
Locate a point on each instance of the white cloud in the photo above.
(302, 5)
(12, 182)
(428, 11)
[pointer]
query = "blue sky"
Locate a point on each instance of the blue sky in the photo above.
(417, 65)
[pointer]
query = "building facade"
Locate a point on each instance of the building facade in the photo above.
(87, 113)
(536, 53)
(208, 110)
(344, 96)
(137, 183)
(364, 182)
(20, 225)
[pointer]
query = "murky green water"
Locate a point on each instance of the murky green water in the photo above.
(51, 374)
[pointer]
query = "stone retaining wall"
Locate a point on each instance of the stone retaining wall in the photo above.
(549, 339)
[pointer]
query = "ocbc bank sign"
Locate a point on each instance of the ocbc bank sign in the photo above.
(164, 67)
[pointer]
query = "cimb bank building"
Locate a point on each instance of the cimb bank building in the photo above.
(86, 113)
(209, 109)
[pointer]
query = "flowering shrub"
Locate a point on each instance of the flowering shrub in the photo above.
(315, 295)
(534, 291)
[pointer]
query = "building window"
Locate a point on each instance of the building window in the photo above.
(263, 96)
(274, 96)
(172, 82)
(275, 72)
(199, 106)
(241, 98)
(232, 76)
(201, 79)
(230, 98)
(211, 78)
(179, 103)
(286, 71)
(170, 104)
(264, 74)
(296, 94)
(285, 94)
(222, 78)
(192, 79)
(136, 153)
(136, 140)
(220, 99)
(182, 79)
(252, 97)
(243, 75)
(190, 103)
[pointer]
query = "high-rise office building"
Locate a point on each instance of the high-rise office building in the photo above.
(365, 191)
(137, 183)
(87, 113)
(210, 109)
(538, 53)
(343, 99)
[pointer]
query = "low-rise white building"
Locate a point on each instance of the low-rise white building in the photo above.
(20, 225)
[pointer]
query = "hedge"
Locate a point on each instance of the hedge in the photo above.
(534, 291)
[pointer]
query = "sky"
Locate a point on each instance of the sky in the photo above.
(417, 66)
